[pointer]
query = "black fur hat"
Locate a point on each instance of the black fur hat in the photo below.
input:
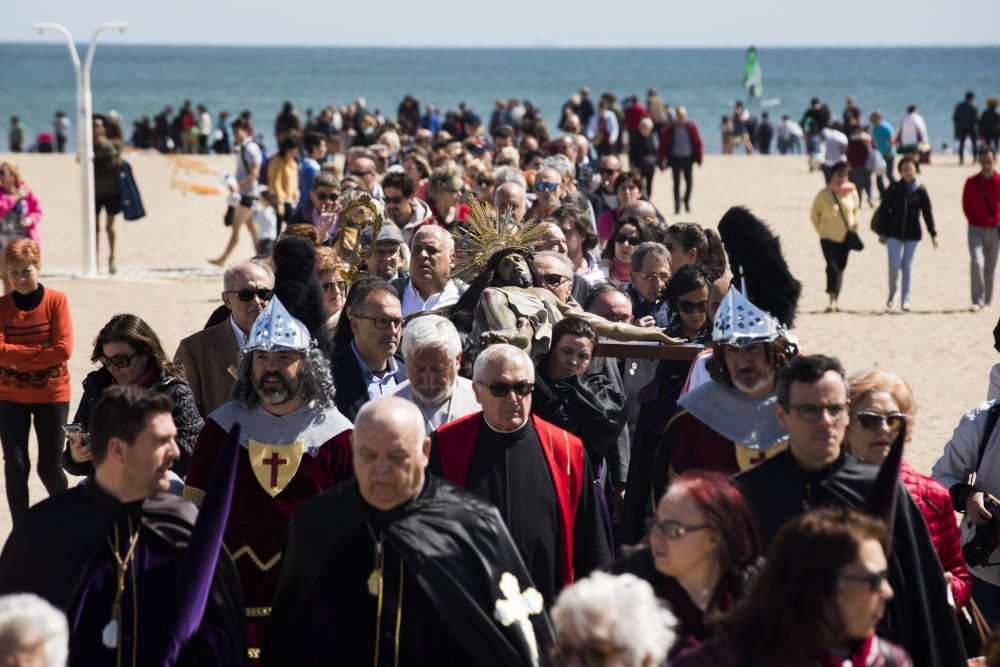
(755, 255)
(296, 285)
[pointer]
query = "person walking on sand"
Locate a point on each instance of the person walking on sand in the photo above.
(981, 204)
(248, 163)
(834, 215)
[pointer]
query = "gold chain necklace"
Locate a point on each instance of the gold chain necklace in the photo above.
(375, 578)
(111, 635)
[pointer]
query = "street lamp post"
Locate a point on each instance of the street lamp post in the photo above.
(85, 147)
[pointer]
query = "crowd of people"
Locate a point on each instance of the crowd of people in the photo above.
(411, 437)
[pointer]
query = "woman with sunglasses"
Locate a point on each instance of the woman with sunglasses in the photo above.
(36, 340)
(591, 405)
(628, 189)
(130, 352)
(19, 213)
(880, 404)
(445, 191)
(616, 260)
(687, 295)
(816, 602)
(701, 556)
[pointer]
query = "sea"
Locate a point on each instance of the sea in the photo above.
(36, 80)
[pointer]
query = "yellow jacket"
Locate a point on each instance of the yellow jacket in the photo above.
(283, 179)
(827, 216)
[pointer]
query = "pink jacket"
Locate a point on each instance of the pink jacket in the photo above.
(7, 202)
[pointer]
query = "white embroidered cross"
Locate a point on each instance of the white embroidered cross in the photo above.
(518, 607)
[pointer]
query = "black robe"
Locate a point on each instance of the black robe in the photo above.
(505, 461)
(453, 549)
(59, 551)
(918, 618)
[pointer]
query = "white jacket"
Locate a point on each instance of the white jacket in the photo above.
(959, 461)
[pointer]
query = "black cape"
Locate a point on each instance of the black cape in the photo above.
(51, 549)
(918, 618)
(456, 546)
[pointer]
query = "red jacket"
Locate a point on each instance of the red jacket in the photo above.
(973, 204)
(936, 506)
(667, 143)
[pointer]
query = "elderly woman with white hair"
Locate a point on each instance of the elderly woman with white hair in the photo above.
(611, 621)
(33, 633)
(432, 353)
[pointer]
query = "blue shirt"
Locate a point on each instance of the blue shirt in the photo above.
(307, 174)
(377, 386)
(882, 133)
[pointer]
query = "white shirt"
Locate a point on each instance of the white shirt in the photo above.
(912, 130)
(412, 302)
(836, 145)
(462, 402)
(241, 338)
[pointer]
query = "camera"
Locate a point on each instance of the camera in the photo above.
(984, 541)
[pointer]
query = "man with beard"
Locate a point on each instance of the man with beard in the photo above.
(399, 567)
(729, 424)
(296, 444)
(432, 351)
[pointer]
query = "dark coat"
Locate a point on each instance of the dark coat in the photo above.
(898, 216)
(348, 382)
(185, 414)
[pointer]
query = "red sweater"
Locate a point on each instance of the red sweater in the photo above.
(34, 347)
(935, 504)
(974, 204)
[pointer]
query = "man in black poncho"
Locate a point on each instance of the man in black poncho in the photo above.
(400, 567)
(814, 472)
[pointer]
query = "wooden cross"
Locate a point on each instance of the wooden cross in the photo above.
(274, 461)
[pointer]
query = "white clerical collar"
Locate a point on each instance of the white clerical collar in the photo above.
(516, 430)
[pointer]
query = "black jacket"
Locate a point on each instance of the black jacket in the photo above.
(186, 416)
(898, 216)
(351, 391)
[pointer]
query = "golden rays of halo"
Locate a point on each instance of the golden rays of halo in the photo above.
(485, 234)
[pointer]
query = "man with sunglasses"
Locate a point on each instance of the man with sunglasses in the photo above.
(294, 443)
(364, 170)
(816, 472)
(534, 472)
(407, 211)
(322, 199)
(209, 356)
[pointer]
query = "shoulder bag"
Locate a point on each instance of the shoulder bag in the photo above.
(852, 240)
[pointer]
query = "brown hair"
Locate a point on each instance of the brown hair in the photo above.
(132, 329)
(327, 259)
(122, 412)
(22, 252)
(779, 353)
(791, 612)
(304, 230)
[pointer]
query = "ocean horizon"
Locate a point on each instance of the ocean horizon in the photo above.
(139, 80)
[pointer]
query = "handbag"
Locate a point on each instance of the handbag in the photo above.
(128, 192)
(875, 162)
(974, 627)
(852, 240)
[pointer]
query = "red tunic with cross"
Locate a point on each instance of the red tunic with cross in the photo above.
(694, 445)
(272, 481)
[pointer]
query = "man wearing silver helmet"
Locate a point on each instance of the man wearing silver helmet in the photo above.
(295, 443)
(729, 424)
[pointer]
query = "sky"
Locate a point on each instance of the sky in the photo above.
(519, 23)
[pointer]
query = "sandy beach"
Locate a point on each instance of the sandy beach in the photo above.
(942, 349)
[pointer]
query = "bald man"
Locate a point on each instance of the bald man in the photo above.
(397, 566)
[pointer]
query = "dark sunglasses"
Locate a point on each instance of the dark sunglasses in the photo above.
(323, 196)
(554, 279)
(248, 293)
(118, 360)
(484, 182)
(605, 170)
(873, 421)
(502, 389)
(873, 580)
(395, 200)
(340, 285)
(360, 174)
(630, 240)
(689, 307)
(543, 186)
(669, 246)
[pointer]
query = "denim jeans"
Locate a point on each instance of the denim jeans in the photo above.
(901, 254)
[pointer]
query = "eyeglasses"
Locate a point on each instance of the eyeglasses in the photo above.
(326, 196)
(594, 654)
(453, 191)
(360, 174)
(484, 182)
(653, 275)
(248, 293)
(688, 307)
(873, 580)
(605, 170)
(873, 421)
(545, 186)
(630, 240)
(382, 322)
(554, 279)
(395, 200)
(673, 530)
(810, 413)
(502, 389)
(339, 285)
(117, 360)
